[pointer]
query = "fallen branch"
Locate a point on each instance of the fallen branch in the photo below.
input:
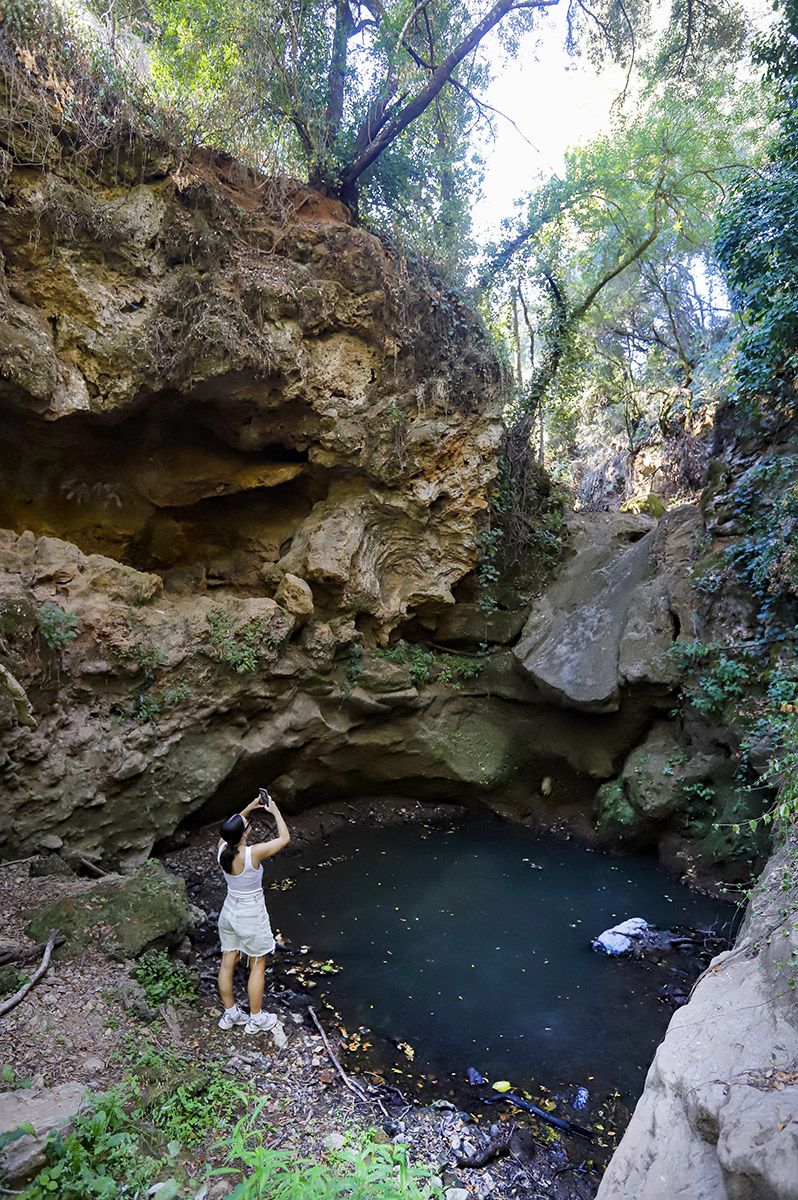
(354, 1088)
(14, 862)
(95, 870)
(25, 955)
(14, 1000)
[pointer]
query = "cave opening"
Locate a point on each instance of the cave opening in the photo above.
(167, 489)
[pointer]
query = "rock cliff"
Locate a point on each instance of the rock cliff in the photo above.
(717, 1119)
(238, 435)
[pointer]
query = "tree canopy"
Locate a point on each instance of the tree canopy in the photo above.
(375, 101)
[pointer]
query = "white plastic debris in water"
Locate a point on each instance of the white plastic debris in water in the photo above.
(621, 938)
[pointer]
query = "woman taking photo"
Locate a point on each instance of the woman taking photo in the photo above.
(244, 926)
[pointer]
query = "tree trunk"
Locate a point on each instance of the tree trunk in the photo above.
(374, 144)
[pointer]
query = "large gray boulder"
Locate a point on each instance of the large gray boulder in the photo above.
(614, 610)
(718, 1119)
(44, 1110)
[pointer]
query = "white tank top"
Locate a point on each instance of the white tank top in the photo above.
(249, 882)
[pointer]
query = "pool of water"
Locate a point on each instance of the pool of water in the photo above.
(473, 945)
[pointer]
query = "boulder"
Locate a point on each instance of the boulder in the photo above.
(614, 610)
(122, 916)
(570, 643)
(295, 595)
(45, 1110)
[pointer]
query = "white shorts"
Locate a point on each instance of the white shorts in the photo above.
(244, 926)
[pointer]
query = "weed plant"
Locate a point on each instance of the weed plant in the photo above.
(164, 981)
(363, 1170)
(56, 626)
(240, 649)
(427, 666)
(102, 1157)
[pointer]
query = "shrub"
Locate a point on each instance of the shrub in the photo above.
(163, 980)
(101, 1157)
(240, 649)
(726, 681)
(56, 626)
(427, 667)
(196, 1108)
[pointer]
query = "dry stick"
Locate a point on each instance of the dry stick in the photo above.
(13, 862)
(7, 1005)
(25, 955)
(95, 870)
(354, 1088)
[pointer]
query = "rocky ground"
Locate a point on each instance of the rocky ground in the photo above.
(87, 1023)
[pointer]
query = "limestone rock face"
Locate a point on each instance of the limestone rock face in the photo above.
(614, 610)
(213, 377)
(679, 791)
(717, 1117)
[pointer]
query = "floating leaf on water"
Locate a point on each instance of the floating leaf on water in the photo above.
(502, 1085)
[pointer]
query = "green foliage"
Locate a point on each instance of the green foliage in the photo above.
(148, 658)
(149, 705)
(363, 1170)
(56, 626)
(420, 660)
(102, 1157)
(725, 682)
(163, 980)
(702, 793)
(198, 1108)
(354, 668)
(765, 558)
(757, 244)
(429, 666)
(623, 336)
(241, 649)
(524, 521)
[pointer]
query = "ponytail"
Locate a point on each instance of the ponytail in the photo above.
(232, 832)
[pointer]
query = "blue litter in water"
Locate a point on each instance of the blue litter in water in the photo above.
(580, 1099)
(474, 1077)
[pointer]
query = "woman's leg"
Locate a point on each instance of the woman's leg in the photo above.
(257, 970)
(229, 960)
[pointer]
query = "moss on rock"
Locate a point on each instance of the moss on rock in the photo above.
(120, 916)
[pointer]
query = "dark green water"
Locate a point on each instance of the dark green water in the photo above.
(456, 942)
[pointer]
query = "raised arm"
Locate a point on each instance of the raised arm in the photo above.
(266, 849)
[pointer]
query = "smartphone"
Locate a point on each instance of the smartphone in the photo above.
(264, 795)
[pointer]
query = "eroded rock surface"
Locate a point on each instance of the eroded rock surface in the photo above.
(614, 610)
(215, 377)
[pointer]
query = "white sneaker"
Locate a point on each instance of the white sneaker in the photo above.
(262, 1022)
(233, 1016)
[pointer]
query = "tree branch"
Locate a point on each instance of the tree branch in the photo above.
(373, 146)
(617, 270)
(14, 1000)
